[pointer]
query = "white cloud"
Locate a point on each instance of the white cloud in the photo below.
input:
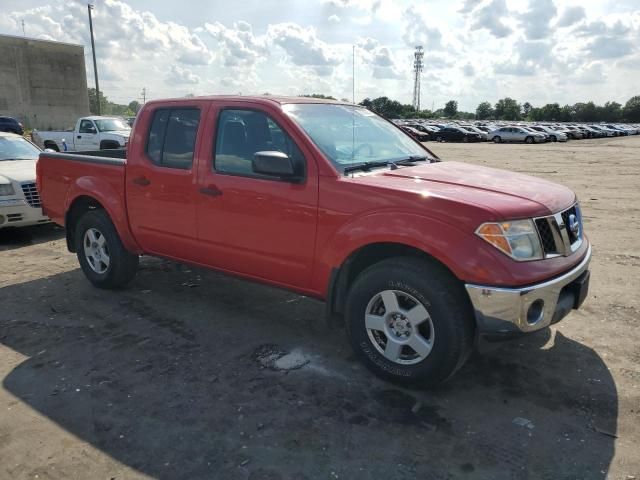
(181, 76)
(238, 44)
(303, 47)
(537, 19)
(490, 16)
(571, 16)
(419, 32)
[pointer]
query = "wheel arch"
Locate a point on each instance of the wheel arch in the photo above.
(365, 256)
(90, 193)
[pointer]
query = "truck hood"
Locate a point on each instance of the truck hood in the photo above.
(508, 194)
(18, 170)
(118, 133)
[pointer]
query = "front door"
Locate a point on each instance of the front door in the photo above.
(253, 224)
(87, 137)
(161, 185)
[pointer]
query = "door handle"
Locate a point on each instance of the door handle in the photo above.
(142, 181)
(79, 136)
(211, 190)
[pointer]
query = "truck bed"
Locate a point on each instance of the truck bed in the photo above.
(60, 175)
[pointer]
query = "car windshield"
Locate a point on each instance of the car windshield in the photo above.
(17, 148)
(112, 125)
(350, 135)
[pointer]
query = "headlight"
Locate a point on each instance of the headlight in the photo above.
(518, 238)
(6, 189)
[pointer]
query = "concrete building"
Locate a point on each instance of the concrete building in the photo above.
(43, 84)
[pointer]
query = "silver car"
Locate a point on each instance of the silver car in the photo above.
(555, 135)
(516, 134)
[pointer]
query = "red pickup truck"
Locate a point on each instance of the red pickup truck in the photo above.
(420, 257)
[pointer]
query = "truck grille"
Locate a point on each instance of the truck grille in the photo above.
(31, 194)
(546, 236)
(556, 236)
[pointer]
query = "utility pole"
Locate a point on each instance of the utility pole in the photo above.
(24, 33)
(95, 66)
(144, 95)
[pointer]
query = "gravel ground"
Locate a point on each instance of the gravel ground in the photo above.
(189, 374)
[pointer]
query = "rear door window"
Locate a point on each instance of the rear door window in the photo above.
(172, 137)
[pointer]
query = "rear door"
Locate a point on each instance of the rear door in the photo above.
(161, 185)
(87, 137)
(252, 224)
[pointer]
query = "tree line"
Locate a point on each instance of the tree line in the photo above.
(110, 108)
(510, 109)
(504, 109)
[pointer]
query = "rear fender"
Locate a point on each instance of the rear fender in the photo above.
(112, 201)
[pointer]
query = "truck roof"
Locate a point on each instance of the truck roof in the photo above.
(264, 99)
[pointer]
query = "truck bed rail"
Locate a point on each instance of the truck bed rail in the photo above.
(104, 157)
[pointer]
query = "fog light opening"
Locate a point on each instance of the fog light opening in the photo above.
(1, 219)
(535, 312)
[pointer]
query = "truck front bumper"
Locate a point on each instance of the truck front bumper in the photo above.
(505, 312)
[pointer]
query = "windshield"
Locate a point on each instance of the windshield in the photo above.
(352, 135)
(112, 125)
(17, 148)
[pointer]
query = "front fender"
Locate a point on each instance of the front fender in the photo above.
(111, 199)
(460, 251)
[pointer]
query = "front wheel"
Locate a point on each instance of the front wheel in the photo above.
(103, 258)
(497, 139)
(529, 140)
(409, 321)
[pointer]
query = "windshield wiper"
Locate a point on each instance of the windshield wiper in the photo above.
(366, 166)
(410, 159)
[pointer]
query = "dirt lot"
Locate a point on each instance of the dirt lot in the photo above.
(183, 376)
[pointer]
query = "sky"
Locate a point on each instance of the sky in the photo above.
(540, 51)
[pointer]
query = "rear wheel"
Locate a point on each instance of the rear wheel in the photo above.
(439, 139)
(465, 139)
(103, 258)
(554, 138)
(497, 139)
(408, 321)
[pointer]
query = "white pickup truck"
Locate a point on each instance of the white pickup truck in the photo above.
(91, 133)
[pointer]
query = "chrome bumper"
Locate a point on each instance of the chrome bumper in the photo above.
(527, 309)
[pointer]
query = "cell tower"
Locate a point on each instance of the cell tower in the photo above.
(417, 70)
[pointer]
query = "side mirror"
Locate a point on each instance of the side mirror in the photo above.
(274, 163)
(92, 130)
(50, 150)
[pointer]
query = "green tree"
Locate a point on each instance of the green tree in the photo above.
(631, 110)
(586, 112)
(93, 103)
(134, 106)
(526, 108)
(507, 109)
(611, 112)
(451, 108)
(484, 111)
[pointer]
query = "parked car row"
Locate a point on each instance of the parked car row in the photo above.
(465, 131)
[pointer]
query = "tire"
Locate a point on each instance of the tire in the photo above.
(53, 146)
(102, 257)
(465, 139)
(529, 140)
(554, 138)
(439, 139)
(496, 139)
(444, 336)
